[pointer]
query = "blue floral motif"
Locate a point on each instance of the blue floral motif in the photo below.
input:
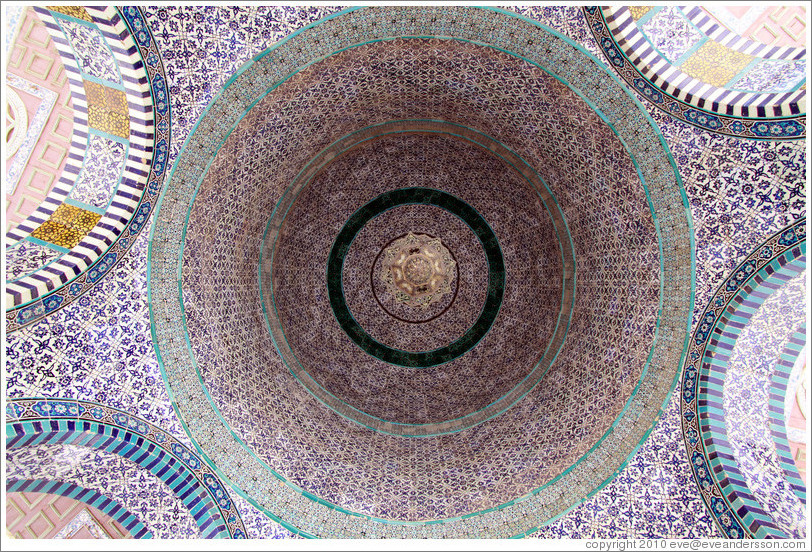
(131, 423)
(97, 413)
(102, 267)
(648, 91)
(736, 126)
(788, 238)
(702, 119)
(75, 288)
(29, 313)
(61, 409)
(705, 327)
(612, 52)
(14, 410)
(217, 490)
(160, 94)
(777, 129)
(186, 455)
(161, 156)
(133, 17)
(721, 511)
(140, 218)
(741, 275)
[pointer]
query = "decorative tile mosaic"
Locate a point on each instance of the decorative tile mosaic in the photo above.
(26, 257)
(141, 181)
(97, 348)
(487, 184)
(213, 429)
(762, 115)
(100, 345)
(258, 525)
(709, 346)
(203, 47)
(715, 64)
(135, 488)
(654, 496)
(39, 422)
(101, 172)
(107, 109)
(67, 226)
(92, 52)
(740, 192)
(746, 404)
(671, 33)
(773, 76)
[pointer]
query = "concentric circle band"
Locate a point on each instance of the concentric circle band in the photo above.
(496, 276)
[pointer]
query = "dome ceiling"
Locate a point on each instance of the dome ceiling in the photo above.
(413, 272)
(545, 338)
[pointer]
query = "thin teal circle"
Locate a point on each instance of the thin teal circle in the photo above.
(496, 276)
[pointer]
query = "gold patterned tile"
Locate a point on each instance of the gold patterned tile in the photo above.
(715, 64)
(67, 226)
(74, 11)
(107, 109)
(639, 11)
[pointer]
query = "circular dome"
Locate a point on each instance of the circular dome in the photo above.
(477, 344)
(536, 372)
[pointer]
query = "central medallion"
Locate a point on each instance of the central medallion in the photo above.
(418, 270)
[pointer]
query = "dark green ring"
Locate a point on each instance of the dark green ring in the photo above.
(496, 276)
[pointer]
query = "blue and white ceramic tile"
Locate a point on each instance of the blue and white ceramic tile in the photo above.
(773, 76)
(101, 171)
(99, 348)
(257, 524)
(203, 47)
(27, 257)
(92, 54)
(654, 496)
(740, 191)
(671, 33)
(746, 401)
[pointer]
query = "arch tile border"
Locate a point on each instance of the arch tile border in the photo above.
(304, 513)
(34, 421)
(778, 422)
(762, 117)
(60, 283)
(89, 496)
(735, 511)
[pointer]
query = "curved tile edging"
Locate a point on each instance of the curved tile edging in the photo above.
(304, 513)
(762, 117)
(60, 283)
(32, 421)
(736, 512)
